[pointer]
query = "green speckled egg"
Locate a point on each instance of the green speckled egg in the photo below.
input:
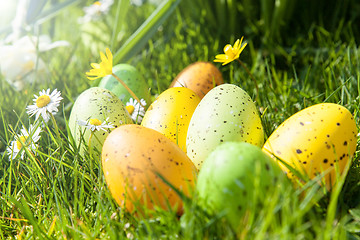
(236, 178)
(226, 113)
(171, 112)
(96, 103)
(132, 78)
(315, 140)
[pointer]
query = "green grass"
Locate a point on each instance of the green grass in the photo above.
(62, 195)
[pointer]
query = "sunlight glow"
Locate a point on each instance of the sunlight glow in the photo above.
(7, 12)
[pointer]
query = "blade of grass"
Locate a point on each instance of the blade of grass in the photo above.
(121, 10)
(24, 209)
(53, 11)
(34, 9)
(140, 37)
(332, 207)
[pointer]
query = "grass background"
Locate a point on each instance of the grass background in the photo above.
(300, 52)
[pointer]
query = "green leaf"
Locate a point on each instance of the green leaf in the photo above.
(121, 10)
(353, 227)
(355, 213)
(53, 11)
(34, 9)
(141, 36)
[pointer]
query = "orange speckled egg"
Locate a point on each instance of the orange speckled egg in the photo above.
(314, 141)
(133, 157)
(200, 77)
(171, 112)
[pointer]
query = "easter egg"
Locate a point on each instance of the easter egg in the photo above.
(171, 112)
(200, 77)
(97, 107)
(132, 78)
(237, 177)
(226, 113)
(314, 141)
(133, 159)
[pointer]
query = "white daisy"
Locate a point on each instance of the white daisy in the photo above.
(95, 124)
(135, 110)
(96, 10)
(45, 104)
(23, 140)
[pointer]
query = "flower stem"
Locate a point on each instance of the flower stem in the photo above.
(55, 126)
(252, 76)
(89, 144)
(128, 89)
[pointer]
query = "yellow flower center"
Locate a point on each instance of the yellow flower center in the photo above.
(97, 3)
(95, 122)
(20, 142)
(130, 108)
(42, 101)
(228, 50)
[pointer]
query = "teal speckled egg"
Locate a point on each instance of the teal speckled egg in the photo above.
(226, 113)
(132, 78)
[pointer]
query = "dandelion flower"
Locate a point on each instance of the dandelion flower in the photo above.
(45, 104)
(101, 69)
(231, 53)
(135, 110)
(104, 68)
(27, 138)
(95, 124)
(96, 10)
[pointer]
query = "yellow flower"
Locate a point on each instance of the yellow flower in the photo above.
(231, 52)
(101, 69)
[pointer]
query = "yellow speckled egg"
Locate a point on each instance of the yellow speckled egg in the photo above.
(314, 141)
(171, 112)
(133, 157)
(200, 77)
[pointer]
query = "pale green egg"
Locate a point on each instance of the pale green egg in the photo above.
(226, 113)
(95, 105)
